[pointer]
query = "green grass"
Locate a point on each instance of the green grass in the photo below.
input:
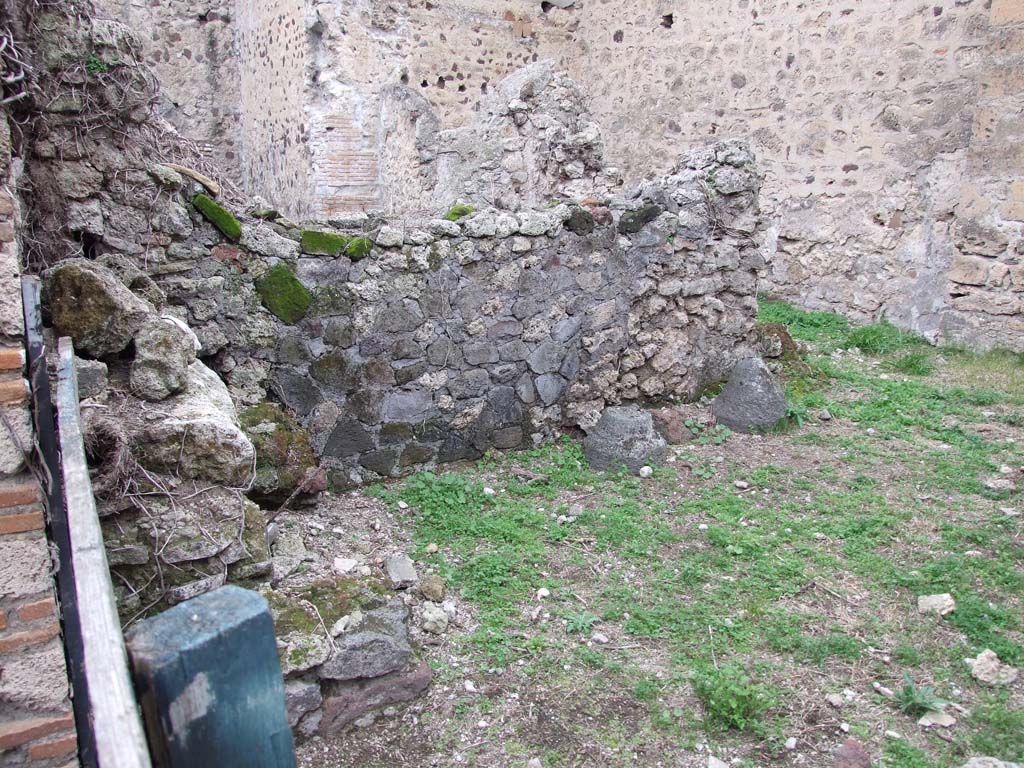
(809, 584)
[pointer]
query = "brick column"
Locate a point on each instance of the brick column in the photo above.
(36, 724)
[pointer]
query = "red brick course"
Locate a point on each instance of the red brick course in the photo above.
(11, 359)
(47, 750)
(27, 521)
(18, 732)
(19, 494)
(19, 640)
(40, 609)
(13, 392)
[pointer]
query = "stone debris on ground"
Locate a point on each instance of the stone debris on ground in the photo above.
(942, 604)
(987, 668)
(851, 754)
(401, 571)
(624, 436)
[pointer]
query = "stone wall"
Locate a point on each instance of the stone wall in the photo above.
(889, 131)
(193, 49)
(36, 723)
(503, 329)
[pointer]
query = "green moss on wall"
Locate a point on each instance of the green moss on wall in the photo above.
(459, 210)
(322, 243)
(283, 455)
(283, 294)
(219, 216)
(358, 248)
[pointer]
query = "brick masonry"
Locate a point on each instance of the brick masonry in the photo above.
(36, 725)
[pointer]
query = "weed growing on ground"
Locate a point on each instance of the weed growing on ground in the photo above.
(916, 700)
(733, 699)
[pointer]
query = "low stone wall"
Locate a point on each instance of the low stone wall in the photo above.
(418, 342)
(500, 329)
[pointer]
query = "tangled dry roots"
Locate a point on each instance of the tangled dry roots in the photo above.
(108, 454)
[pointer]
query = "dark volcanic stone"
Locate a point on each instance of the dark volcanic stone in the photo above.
(580, 221)
(633, 221)
(624, 435)
(752, 400)
(348, 438)
(348, 701)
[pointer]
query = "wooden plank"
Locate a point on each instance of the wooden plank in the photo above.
(117, 727)
(210, 683)
(56, 515)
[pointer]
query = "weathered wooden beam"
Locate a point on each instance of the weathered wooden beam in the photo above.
(210, 683)
(117, 728)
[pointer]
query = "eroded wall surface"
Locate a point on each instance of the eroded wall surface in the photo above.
(36, 724)
(889, 131)
(192, 49)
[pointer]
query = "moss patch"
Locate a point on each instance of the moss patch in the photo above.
(333, 598)
(219, 216)
(358, 248)
(283, 294)
(283, 454)
(322, 243)
(458, 211)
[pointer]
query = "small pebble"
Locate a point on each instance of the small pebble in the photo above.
(402, 505)
(469, 686)
(599, 638)
(702, 527)
(741, 485)
(543, 592)
(791, 743)
(431, 549)
(646, 471)
(489, 491)
(892, 735)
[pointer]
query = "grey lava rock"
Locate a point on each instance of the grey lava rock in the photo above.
(752, 400)
(378, 646)
(164, 349)
(92, 377)
(91, 305)
(624, 435)
(401, 571)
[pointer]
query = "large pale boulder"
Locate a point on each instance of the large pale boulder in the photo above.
(624, 435)
(89, 303)
(164, 350)
(197, 434)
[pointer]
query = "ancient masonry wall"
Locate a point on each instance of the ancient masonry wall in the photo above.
(36, 724)
(889, 131)
(193, 47)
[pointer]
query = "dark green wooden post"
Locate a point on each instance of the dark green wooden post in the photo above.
(207, 675)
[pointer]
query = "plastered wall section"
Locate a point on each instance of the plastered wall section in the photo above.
(36, 725)
(191, 48)
(889, 131)
(273, 50)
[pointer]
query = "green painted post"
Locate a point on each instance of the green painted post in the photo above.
(208, 679)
